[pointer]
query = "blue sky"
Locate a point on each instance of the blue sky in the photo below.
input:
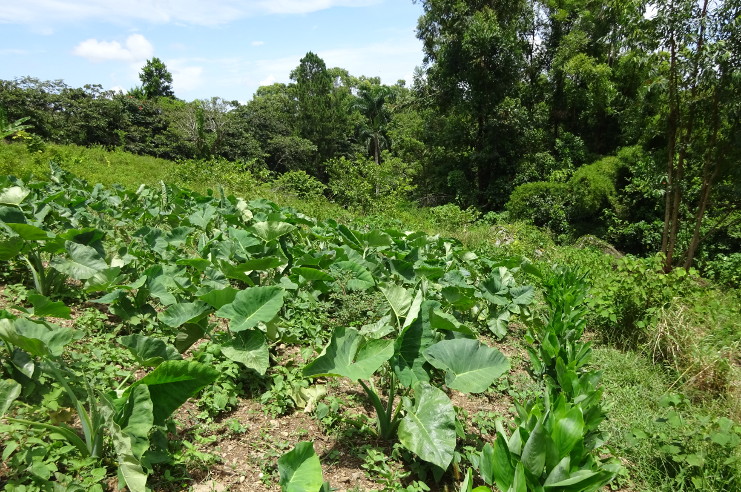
(224, 48)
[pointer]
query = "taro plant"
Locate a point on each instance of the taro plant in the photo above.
(553, 447)
(416, 411)
(124, 417)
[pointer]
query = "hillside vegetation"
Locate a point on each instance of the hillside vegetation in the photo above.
(175, 337)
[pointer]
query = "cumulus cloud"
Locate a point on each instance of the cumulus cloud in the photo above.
(197, 12)
(136, 48)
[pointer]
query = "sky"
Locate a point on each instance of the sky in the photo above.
(224, 48)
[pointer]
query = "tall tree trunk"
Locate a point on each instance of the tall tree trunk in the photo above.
(672, 125)
(709, 173)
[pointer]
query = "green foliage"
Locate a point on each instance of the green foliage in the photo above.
(366, 186)
(545, 204)
(300, 184)
(156, 79)
(691, 451)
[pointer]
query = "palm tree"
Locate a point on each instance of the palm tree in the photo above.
(371, 104)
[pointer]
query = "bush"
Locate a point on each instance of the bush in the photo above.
(300, 184)
(542, 203)
(451, 216)
(593, 188)
(364, 185)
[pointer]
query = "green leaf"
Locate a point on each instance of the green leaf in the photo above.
(83, 262)
(350, 355)
(172, 383)
(362, 278)
(269, 231)
(409, 361)
(312, 274)
(9, 391)
(249, 348)
(187, 336)
(149, 351)
(30, 233)
(398, 298)
(137, 419)
(523, 296)
(568, 430)
(534, 451)
(300, 469)
(428, 429)
(38, 339)
(440, 320)
(11, 215)
(219, 298)
(186, 312)
(469, 366)
(501, 465)
(519, 484)
(10, 248)
(252, 306)
(129, 467)
(43, 306)
(13, 195)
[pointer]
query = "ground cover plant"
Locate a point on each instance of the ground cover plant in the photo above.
(157, 337)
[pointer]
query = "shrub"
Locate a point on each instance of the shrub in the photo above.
(593, 188)
(300, 184)
(451, 216)
(362, 184)
(542, 203)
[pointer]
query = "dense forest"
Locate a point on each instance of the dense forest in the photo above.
(608, 118)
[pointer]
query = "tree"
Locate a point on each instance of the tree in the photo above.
(475, 53)
(156, 79)
(371, 102)
(323, 103)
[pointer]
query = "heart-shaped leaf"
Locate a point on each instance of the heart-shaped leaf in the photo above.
(469, 366)
(252, 306)
(300, 469)
(350, 355)
(428, 429)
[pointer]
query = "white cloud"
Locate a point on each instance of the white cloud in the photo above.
(136, 48)
(257, 43)
(197, 12)
(185, 77)
(269, 80)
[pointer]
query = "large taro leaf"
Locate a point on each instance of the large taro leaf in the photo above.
(13, 195)
(149, 351)
(469, 366)
(271, 230)
(38, 339)
(30, 232)
(172, 383)
(129, 467)
(43, 306)
(9, 248)
(82, 261)
(252, 306)
(361, 279)
(398, 298)
(219, 298)
(300, 469)
(409, 362)
(350, 355)
(136, 418)
(186, 312)
(249, 348)
(428, 429)
(9, 391)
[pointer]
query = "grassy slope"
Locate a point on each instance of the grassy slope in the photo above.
(633, 384)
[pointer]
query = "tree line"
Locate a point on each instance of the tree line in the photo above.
(616, 118)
